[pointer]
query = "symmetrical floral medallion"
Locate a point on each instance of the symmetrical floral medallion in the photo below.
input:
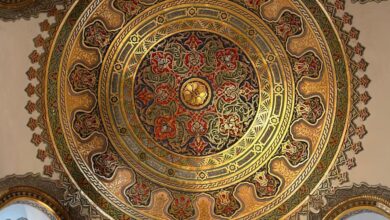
(197, 109)
(187, 90)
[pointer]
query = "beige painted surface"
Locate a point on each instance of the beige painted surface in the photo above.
(373, 21)
(18, 155)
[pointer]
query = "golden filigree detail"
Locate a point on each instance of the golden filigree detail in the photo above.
(195, 93)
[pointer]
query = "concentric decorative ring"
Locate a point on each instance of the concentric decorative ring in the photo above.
(185, 108)
(240, 148)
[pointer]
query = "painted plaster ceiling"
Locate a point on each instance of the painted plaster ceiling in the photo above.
(199, 109)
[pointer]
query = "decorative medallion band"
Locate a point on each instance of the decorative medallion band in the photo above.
(222, 109)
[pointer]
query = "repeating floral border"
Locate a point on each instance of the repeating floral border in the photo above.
(337, 176)
(73, 197)
(360, 97)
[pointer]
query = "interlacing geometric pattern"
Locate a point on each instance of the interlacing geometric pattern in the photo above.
(198, 109)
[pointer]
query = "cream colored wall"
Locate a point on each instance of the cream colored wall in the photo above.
(18, 155)
(373, 21)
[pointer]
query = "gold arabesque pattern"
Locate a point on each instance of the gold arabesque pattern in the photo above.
(275, 131)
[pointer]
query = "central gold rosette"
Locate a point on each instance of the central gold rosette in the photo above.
(195, 93)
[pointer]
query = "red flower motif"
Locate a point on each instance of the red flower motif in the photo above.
(231, 125)
(181, 207)
(165, 127)
(228, 91)
(193, 42)
(226, 205)
(105, 164)
(198, 144)
(227, 59)
(161, 62)
(288, 25)
(164, 94)
(194, 60)
(82, 78)
(254, 3)
(139, 194)
(145, 96)
(248, 91)
(308, 65)
(96, 35)
(130, 7)
(197, 126)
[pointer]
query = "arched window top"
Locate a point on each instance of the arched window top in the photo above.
(364, 215)
(26, 210)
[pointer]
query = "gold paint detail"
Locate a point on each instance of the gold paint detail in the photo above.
(195, 93)
(362, 202)
(30, 194)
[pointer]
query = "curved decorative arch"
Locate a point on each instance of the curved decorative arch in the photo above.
(40, 199)
(351, 199)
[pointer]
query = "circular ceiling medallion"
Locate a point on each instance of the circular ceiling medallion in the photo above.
(197, 109)
(187, 90)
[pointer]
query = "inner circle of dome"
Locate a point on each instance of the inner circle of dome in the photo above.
(196, 93)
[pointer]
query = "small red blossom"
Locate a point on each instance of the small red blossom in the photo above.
(164, 94)
(248, 91)
(197, 126)
(227, 59)
(161, 62)
(165, 128)
(198, 144)
(145, 96)
(228, 91)
(139, 194)
(194, 60)
(193, 42)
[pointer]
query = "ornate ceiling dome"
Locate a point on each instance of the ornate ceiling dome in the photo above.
(207, 109)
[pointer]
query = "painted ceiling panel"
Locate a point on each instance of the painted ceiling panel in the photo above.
(200, 110)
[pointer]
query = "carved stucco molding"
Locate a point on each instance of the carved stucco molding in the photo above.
(15, 9)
